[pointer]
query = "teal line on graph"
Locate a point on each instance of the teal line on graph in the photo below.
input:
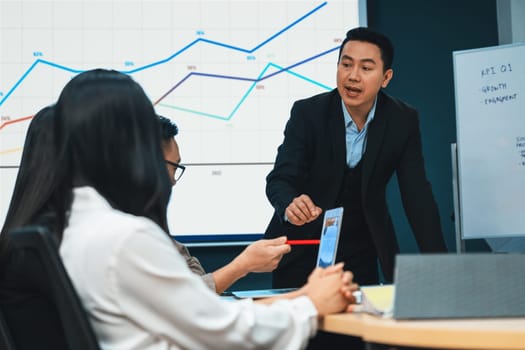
(245, 96)
(138, 69)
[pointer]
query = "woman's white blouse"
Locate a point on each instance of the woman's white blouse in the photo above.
(140, 294)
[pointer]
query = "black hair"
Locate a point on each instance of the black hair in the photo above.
(370, 36)
(34, 183)
(168, 128)
(111, 142)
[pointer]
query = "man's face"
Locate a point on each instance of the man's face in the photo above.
(360, 76)
(171, 154)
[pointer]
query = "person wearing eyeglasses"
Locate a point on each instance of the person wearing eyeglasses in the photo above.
(170, 149)
(261, 256)
(176, 170)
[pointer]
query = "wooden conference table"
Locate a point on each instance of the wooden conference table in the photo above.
(493, 334)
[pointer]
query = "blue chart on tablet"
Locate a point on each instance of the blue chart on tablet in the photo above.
(227, 72)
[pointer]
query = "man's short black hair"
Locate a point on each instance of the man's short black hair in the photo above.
(168, 128)
(370, 36)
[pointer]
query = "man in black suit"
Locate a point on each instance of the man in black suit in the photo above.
(340, 149)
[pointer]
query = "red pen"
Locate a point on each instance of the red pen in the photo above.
(302, 241)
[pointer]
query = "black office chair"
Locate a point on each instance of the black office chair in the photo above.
(45, 312)
(6, 341)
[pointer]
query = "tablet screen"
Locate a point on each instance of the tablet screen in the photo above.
(330, 237)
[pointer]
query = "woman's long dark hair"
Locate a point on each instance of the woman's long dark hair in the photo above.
(111, 141)
(35, 181)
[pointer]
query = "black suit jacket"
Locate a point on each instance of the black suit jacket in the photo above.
(312, 160)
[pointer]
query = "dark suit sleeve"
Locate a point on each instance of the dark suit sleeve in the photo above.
(286, 180)
(416, 193)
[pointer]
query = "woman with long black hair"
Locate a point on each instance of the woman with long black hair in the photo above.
(137, 289)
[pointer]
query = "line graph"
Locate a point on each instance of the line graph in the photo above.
(14, 121)
(166, 60)
(261, 77)
(227, 72)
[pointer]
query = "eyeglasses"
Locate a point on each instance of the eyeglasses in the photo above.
(179, 170)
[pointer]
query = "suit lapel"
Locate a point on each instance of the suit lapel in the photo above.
(375, 137)
(337, 129)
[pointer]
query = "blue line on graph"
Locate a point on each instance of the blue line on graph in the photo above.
(40, 61)
(252, 86)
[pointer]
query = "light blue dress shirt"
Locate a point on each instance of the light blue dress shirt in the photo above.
(355, 139)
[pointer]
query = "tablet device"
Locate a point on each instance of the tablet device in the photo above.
(330, 237)
(325, 257)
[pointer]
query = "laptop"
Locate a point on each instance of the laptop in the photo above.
(326, 254)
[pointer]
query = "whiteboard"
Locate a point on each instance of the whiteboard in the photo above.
(490, 123)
